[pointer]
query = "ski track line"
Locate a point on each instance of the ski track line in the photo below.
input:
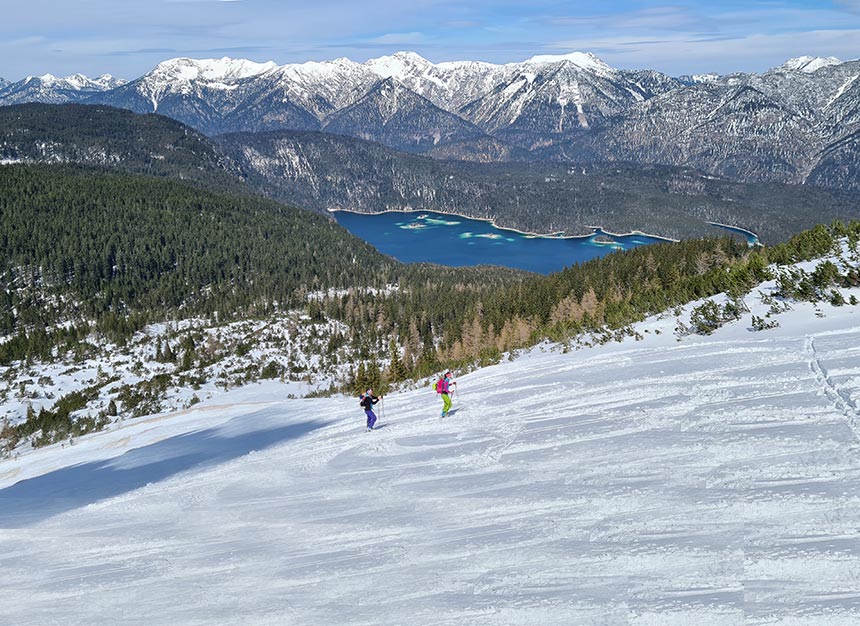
(508, 435)
(841, 400)
(120, 443)
(10, 474)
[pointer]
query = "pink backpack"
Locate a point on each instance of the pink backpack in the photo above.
(440, 385)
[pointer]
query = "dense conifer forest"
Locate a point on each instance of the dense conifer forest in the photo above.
(86, 249)
(100, 135)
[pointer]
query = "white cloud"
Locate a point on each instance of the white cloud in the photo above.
(399, 38)
(683, 54)
(664, 18)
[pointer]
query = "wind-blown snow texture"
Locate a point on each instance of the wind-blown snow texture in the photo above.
(708, 481)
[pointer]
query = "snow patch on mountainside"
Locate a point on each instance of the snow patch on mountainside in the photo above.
(584, 60)
(215, 70)
(808, 64)
(399, 65)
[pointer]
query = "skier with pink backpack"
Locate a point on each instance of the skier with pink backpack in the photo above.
(443, 387)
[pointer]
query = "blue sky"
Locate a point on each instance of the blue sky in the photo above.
(128, 37)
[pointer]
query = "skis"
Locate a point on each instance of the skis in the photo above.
(377, 427)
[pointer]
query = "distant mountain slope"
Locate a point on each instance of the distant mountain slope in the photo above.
(738, 133)
(321, 171)
(114, 138)
(199, 93)
(838, 164)
(324, 171)
(55, 90)
(554, 97)
(392, 115)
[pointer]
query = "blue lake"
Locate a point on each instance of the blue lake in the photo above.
(459, 241)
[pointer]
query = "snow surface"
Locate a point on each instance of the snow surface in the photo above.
(808, 64)
(584, 60)
(712, 480)
(224, 69)
(289, 339)
(398, 65)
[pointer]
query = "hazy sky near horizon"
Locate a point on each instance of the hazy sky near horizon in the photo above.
(127, 38)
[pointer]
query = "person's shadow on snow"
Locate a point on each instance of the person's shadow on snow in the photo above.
(35, 499)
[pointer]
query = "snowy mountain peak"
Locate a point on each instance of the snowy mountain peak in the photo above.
(322, 70)
(45, 87)
(398, 65)
(705, 78)
(584, 60)
(107, 81)
(186, 69)
(79, 81)
(808, 64)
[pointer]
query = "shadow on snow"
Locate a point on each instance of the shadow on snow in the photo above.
(35, 499)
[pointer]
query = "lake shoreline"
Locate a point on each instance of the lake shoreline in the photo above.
(752, 238)
(598, 230)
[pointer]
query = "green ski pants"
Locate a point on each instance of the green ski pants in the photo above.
(446, 403)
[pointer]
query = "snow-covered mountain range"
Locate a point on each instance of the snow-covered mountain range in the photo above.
(669, 479)
(794, 123)
(55, 90)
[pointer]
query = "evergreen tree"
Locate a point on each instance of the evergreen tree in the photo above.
(361, 379)
(396, 369)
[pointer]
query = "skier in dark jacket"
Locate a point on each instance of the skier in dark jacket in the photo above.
(367, 402)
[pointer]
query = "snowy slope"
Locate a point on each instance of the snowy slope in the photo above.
(712, 480)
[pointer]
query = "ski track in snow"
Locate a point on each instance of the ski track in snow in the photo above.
(713, 481)
(841, 400)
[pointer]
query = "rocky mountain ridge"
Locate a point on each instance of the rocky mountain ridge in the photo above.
(795, 123)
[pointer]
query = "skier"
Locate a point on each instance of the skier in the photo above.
(443, 386)
(367, 401)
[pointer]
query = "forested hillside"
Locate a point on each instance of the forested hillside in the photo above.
(82, 244)
(101, 135)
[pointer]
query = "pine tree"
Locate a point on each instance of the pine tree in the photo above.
(360, 384)
(396, 369)
(374, 376)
